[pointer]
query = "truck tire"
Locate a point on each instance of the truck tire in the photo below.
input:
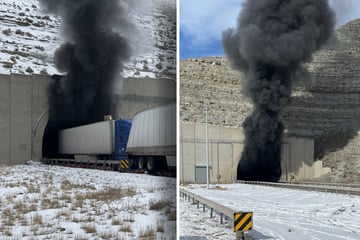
(141, 163)
(150, 164)
(132, 163)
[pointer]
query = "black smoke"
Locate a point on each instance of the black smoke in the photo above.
(272, 41)
(91, 57)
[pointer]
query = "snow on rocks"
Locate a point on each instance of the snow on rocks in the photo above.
(29, 38)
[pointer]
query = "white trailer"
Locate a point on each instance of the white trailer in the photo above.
(91, 139)
(152, 138)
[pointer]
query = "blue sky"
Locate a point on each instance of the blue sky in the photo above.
(202, 21)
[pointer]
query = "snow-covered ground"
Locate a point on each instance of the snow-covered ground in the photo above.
(52, 202)
(277, 213)
(29, 38)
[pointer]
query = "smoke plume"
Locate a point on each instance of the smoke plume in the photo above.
(92, 56)
(272, 41)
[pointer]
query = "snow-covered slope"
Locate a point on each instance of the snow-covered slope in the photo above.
(52, 202)
(29, 37)
(157, 55)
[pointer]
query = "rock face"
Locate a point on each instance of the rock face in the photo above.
(212, 81)
(330, 102)
(325, 105)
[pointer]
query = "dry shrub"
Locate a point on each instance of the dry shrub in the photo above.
(33, 188)
(47, 203)
(79, 237)
(89, 227)
(160, 227)
(148, 233)
(7, 232)
(7, 212)
(116, 221)
(129, 218)
(159, 204)
(32, 207)
(125, 228)
(109, 194)
(19, 206)
(170, 214)
(65, 197)
(36, 219)
(107, 235)
(63, 213)
(24, 221)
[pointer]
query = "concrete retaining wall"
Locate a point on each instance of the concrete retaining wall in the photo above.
(225, 147)
(23, 100)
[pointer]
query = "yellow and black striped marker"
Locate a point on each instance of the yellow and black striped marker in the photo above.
(242, 221)
(124, 164)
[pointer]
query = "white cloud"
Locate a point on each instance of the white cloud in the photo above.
(204, 20)
(346, 10)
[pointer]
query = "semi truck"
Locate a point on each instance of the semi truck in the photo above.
(146, 142)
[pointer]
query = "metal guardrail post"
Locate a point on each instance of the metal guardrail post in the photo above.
(240, 236)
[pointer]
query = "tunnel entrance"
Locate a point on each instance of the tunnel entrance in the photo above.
(271, 172)
(50, 142)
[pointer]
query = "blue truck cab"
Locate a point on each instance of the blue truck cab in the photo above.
(122, 131)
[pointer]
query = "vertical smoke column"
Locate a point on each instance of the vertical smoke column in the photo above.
(92, 58)
(272, 40)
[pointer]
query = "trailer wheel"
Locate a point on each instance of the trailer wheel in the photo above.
(150, 164)
(132, 163)
(141, 163)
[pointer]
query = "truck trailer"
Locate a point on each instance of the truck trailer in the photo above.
(152, 140)
(147, 142)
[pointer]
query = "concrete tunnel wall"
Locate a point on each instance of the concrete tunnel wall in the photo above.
(24, 110)
(225, 147)
(142, 93)
(23, 100)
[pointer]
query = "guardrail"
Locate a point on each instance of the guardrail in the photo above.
(241, 221)
(315, 187)
(338, 185)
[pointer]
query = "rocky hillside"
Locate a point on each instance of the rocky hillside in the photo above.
(325, 105)
(157, 55)
(29, 37)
